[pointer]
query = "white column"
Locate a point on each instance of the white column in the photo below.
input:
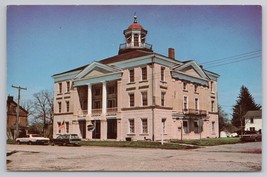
(104, 97)
(89, 99)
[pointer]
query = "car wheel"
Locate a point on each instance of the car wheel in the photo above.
(29, 143)
(64, 144)
(18, 142)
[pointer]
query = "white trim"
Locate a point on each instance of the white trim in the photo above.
(65, 76)
(195, 66)
(97, 79)
(92, 66)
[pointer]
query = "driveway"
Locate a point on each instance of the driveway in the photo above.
(238, 157)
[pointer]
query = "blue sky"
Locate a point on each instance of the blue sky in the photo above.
(45, 40)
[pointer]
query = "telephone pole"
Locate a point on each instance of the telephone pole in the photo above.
(17, 118)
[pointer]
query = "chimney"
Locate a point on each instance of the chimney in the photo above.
(172, 53)
(10, 98)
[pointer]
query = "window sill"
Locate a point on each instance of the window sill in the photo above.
(130, 134)
(185, 90)
(59, 94)
(144, 134)
(196, 93)
(130, 83)
(164, 82)
(143, 81)
(67, 92)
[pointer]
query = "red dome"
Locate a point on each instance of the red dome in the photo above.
(135, 26)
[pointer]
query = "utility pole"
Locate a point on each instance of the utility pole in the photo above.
(17, 118)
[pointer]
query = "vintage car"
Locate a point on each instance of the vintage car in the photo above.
(32, 139)
(250, 136)
(67, 139)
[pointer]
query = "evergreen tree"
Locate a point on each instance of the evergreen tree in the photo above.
(244, 103)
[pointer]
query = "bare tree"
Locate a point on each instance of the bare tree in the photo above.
(43, 109)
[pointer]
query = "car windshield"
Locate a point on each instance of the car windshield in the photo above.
(75, 136)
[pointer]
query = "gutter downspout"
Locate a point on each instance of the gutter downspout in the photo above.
(153, 100)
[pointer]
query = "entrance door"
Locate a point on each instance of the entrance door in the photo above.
(96, 133)
(112, 129)
(82, 126)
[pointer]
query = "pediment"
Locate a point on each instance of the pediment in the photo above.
(95, 69)
(192, 69)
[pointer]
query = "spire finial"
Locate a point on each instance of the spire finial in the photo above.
(135, 18)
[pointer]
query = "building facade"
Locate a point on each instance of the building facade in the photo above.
(137, 94)
(12, 119)
(253, 120)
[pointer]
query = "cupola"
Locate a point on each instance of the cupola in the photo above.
(135, 38)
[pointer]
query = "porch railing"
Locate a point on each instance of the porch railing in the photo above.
(195, 112)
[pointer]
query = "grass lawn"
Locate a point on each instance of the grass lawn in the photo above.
(137, 144)
(209, 141)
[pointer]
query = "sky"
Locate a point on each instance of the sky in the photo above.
(45, 40)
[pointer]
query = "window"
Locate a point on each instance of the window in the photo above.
(68, 86)
(131, 126)
(185, 103)
(59, 127)
(163, 98)
(97, 91)
(111, 104)
(164, 126)
(144, 73)
(184, 85)
(67, 127)
(60, 88)
(197, 126)
(59, 107)
(196, 104)
(251, 120)
(111, 90)
(196, 87)
(162, 74)
(67, 106)
(185, 126)
(131, 71)
(144, 98)
(97, 104)
(252, 129)
(144, 126)
(131, 95)
(212, 106)
(136, 40)
(213, 126)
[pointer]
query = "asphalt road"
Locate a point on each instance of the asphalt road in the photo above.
(238, 157)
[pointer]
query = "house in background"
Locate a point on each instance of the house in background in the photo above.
(12, 117)
(137, 94)
(253, 120)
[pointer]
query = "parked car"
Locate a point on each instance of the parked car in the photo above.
(67, 139)
(32, 139)
(251, 136)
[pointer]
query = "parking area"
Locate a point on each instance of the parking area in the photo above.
(236, 157)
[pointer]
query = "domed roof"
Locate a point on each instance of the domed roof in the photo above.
(135, 25)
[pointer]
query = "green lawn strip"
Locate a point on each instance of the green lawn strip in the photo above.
(10, 142)
(137, 144)
(209, 141)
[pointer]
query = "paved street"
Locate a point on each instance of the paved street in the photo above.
(238, 157)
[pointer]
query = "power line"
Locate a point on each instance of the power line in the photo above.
(212, 66)
(256, 52)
